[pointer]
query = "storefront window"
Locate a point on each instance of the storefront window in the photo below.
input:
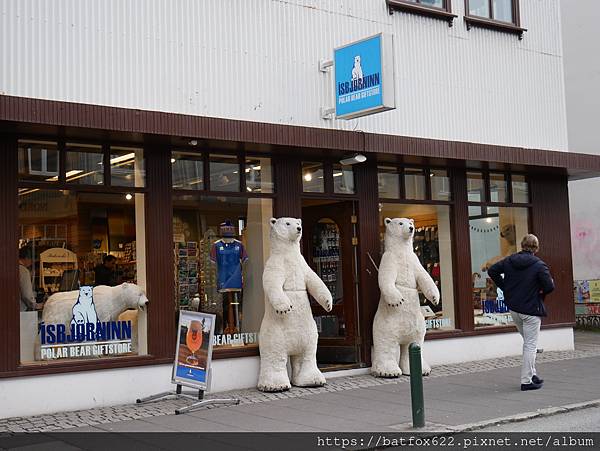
(498, 188)
(312, 177)
(494, 233)
(220, 247)
(415, 184)
(475, 187)
(70, 239)
(187, 170)
(84, 164)
(224, 173)
(38, 161)
(343, 179)
(520, 189)
(127, 167)
(440, 185)
(259, 175)
(433, 246)
(389, 182)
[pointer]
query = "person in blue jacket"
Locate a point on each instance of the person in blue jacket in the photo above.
(525, 280)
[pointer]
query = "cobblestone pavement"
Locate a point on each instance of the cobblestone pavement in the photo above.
(587, 345)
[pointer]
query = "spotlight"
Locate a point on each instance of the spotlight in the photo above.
(358, 158)
(193, 142)
(128, 196)
(308, 176)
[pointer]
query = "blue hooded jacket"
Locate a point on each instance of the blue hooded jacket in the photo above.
(526, 282)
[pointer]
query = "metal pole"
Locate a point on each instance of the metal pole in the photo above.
(416, 386)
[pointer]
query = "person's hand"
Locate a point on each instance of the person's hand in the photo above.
(39, 307)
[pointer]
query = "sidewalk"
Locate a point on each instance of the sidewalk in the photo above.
(456, 397)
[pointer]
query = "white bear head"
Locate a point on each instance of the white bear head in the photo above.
(85, 295)
(133, 296)
(286, 229)
(402, 228)
(357, 61)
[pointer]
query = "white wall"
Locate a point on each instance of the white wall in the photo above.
(257, 60)
(46, 394)
(581, 43)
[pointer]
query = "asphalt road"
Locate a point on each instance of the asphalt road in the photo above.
(585, 420)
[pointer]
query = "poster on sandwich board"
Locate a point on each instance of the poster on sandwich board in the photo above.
(193, 353)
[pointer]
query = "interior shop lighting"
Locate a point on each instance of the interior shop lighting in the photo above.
(338, 174)
(193, 142)
(122, 158)
(173, 160)
(358, 158)
(128, 196)
(488, 220)
(68, 175)
(308, 176)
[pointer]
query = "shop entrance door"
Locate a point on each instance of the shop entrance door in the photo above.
(329, 245)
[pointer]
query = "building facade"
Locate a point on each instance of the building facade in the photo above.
(140, 131)
(583, 100)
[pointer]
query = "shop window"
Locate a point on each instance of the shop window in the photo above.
(432, 244)
(221, 245)
(187, 170)
(259, 175)
(343, 179)
(494, 234)
(388, 182)
(69, 240)
(313, 177)
(498, 188)
(127, 167)
(38, 161)
(224, 173)
(520, 189)
(84, 164)
(475, 187)
(415, 184)
(440, 185)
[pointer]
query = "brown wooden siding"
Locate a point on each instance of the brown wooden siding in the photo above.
(9, 275)
(551, 224)
(66, 114)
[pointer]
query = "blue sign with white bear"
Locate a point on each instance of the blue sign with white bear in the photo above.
(360, 74)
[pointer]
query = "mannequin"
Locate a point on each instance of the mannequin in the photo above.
(229, 255)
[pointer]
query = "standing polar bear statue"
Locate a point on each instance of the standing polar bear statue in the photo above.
(399, 320)
(288, 328)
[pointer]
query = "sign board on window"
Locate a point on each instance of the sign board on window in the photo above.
(193, 354)
(364, 77)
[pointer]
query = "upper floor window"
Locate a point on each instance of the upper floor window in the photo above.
(439, 9)
(406, 183)
(501, 15)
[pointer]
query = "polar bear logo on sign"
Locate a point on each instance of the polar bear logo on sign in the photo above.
(357, 72)
(84, 310)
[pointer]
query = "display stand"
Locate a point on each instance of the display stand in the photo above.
(178, 394)
(191, 367)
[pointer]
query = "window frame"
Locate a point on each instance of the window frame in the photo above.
(491, 23)
(416, 7)
(61, 366)
(204, 156)
(328, 183)
(427, 170)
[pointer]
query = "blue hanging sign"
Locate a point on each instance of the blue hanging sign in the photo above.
(364, 77)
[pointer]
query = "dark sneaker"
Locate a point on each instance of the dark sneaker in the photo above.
(537, 380)
(532, 386)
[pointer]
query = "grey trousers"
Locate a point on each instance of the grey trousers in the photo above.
(529, 328)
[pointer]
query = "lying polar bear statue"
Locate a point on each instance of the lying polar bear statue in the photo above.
(105, 304)
(399, 320)
(288, 328)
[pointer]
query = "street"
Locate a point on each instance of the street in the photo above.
(586, 420)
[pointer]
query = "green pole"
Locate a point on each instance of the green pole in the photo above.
(416, 386)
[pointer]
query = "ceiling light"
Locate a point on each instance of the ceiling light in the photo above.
(338, 174)
(488, 220)
(308, 176)
(173, 160)
(128, 196)
(358, 158)
(122, 158)
(193, 142)
(68, 174)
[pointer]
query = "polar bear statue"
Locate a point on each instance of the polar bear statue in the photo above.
(288, 328)
(109, 303)
(399, 320)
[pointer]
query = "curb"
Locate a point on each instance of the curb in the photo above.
(524, 416)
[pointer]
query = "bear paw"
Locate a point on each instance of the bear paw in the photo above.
(326, 302)
(313, 379)
(425, 370)
(275, 383)
(386, 371)
(395, 300)
(282, 307)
